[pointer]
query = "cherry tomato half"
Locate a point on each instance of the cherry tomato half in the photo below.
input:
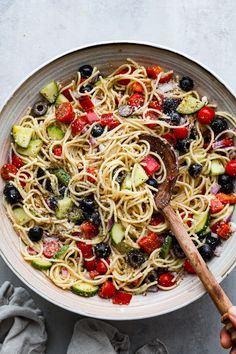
(230, 168)
(166, 279)
(181, 132)
(206, 115)
(7, 170)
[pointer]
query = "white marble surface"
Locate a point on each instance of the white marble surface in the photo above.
(33, 31)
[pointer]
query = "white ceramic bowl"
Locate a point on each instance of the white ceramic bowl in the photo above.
(107, 56)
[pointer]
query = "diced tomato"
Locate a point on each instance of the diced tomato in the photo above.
(91, 117)
(165, 77)
(150, 165)
(92, 171)
(188, 267)
(206, 115)
(87, 250)
(86, 103)
(153, 71)
(150, 242)
(215, 226)
(121, 298)
(224, 230)
(101, 267)
(216, 206)
(230, 168)
(93, 274)
(7, 170)
(170, 137)
(226, 198)
(57, 150)
(64, 113)
(155, 105)
(123, 81)
(67, 94)
(157, 219)
(136, 100)
(181, 132)
(89, 230)
(107, 290)
(188, 222)
(151, 116)
(90, 265)
(78, 125)
(166, 280)
(17, 161)
(109, 121)
(137, 87)
(50, 248)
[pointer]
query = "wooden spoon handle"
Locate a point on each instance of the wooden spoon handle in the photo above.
(215, 291)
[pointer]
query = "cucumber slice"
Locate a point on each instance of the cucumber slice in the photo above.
(55, 133)
(189, 105)
(41, 264)
(61, 99)
(127, 183)
(61, 252)
(217, 168)
(202, 222)
(63, 207)
(22, 135)
(50, 91)
(205, 233)
(62, 176)
(33, 149)
(84, 289)
(20, 216)
(117, 233)
(229, 213)
(165, 248)
(139, 175)
(123, 248)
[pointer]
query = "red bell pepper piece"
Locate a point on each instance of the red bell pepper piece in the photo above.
(150, 165)
(101, 267)
(7, 170)
(90, 265)
(87, 250)
(92, 171)
(137, 87)
(181, 132)
(226, 198)
(121, 298)
(78, 125)
(216, 206)
(86, 103)
(107, 290)
(188, 267)
(166, 280)
(93, 274)
(149, 243)
(91, 117)
(155, 105)
(224, 230)
(67, 94)
(170, 137)
(151, 116)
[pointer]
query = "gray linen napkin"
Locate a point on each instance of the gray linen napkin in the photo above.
(97, 337)
(22, 329)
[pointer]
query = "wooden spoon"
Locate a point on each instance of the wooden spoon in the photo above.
(162, 199)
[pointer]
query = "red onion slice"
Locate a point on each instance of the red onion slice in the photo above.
(215, 188)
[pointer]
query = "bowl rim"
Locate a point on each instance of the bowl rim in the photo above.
(60, 56)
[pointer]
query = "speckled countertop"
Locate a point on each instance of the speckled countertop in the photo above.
(31, 32)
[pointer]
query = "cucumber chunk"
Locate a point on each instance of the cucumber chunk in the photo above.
(41, 264)
(205, 233)
(33, 149)
(50, 91)
(55, 133)
(127, 183)
(20, 216)
(139, 175)
(189, 105)
(165, 248)
(61, 252)
(61, 99)
(123, 248)
(22, 135)
(217, 168)
(229, 213)
(201, 222)
(62, 176)
(63, 207)
(85, 289)
(117, 233)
